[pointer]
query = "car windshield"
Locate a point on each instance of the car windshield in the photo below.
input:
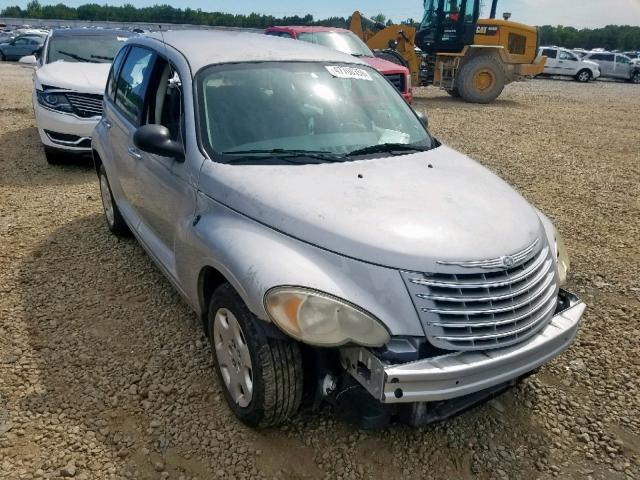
(98, 49)
(345, 42)
(265, 110)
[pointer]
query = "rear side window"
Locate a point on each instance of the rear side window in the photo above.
(549, 53)
(133, 81)
(115, 70)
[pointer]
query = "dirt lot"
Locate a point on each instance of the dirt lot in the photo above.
(105, 373)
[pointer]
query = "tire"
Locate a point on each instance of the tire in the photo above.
(261, 377)
(53, 156)
(635, 77)
(454, 92)
(2, 57)
(583, 76)
(481, 79)
(112, 214)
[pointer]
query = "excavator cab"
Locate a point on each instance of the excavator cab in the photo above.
(448, 25)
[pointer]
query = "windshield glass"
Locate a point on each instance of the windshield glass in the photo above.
(298, 106)
(345, 42)
(98, 49)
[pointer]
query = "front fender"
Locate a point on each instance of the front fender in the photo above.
(254, 258)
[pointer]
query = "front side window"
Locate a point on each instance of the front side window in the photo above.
(567, 56)
(623, 60)
(345, 42)
(297, 106)
(85, 48)
(132, 83)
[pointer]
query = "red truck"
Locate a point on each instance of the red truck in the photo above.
(345, 41)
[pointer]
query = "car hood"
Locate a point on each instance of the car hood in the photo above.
(384, 66)
(405, 212)
(78, 76)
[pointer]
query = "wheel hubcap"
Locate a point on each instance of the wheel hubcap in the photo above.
(107, 203)
(234, 360)
(584, 76)
(484, 80)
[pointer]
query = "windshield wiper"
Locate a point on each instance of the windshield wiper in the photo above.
(281, 153)
(387, 147)
(76, 57)
(100, 57)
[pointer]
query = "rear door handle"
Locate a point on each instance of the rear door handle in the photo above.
(133, 152)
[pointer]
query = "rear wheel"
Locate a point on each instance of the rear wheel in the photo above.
(481, 79)
(112, 215)
(261, 377)
(583, 76)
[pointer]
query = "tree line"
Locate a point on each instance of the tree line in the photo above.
(610, 37)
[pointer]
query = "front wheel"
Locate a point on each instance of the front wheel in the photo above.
(583, 76)
(635, 77)
(261, 377)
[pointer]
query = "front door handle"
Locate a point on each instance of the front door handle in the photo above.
(106, 122)
(133, 152)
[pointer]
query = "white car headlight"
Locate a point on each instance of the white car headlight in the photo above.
(562, 258)
(319, 319)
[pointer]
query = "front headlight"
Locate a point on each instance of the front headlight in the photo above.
(319, 319)
(562, 258)
(54, 100)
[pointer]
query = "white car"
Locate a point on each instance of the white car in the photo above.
(69, 84)
(561, 61)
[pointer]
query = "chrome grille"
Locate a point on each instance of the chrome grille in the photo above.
(86, 104)
(397, 79)
(490, 309)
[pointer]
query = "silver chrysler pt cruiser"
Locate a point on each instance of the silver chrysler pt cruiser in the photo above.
(335, 251)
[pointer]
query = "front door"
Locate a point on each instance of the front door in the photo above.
(165, 184)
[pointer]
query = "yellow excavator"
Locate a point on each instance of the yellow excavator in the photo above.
(454, 49)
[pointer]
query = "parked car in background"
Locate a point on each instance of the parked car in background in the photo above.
(615, 65)
(561, 61)
(633, 55)
(69, 85)
(20, 46)
(328, 242)
(347, 42)
(6, 37)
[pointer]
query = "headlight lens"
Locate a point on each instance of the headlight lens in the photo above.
(563, 259)
(320, 319)
(54, 101)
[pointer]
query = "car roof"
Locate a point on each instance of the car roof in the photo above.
(211, 47)
(308, 28)
(91, 32)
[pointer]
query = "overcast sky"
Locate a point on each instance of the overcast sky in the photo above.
(578, 13)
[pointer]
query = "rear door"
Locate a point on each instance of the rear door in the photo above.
(124, 117)
(607, 64)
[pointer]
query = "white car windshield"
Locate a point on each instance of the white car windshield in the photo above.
(277, 107)
(345, 42)
(98, 49)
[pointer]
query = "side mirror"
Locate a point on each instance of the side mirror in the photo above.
(29, 60)
(423, 119)
(156, 139)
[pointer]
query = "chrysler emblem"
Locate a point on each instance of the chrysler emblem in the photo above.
(507, 261)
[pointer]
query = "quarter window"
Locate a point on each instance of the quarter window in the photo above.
(115, 70)
(132, 83)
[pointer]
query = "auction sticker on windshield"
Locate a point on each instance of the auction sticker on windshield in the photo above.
(349, 72)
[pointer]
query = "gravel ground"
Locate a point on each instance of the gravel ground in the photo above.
(105, 373)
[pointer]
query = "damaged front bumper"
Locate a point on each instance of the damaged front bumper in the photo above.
(462, 374)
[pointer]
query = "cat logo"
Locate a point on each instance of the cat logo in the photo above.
(487, 30)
